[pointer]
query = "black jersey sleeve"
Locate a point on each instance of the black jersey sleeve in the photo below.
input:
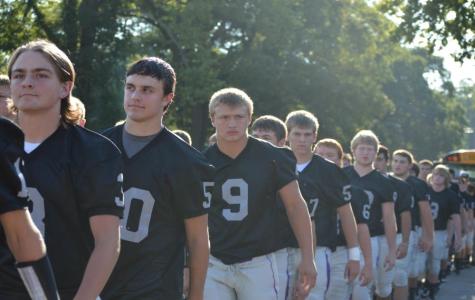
(388, 191)
(337, 188)
(284, 168)
(98, 185)
(190, 189)
(404, 198)
(99, 188)
(13, 193)
(454, 204)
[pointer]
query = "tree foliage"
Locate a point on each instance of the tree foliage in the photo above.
(437, 21)
(334, 58)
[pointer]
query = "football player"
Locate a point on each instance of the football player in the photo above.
(382, 223)
(327, 192)
(73, 176)
(273, 130)
(445, 206)
(19, 231)
(250, 173)
(422, 229)
(165, 205)
(339, 286)
(402, 207)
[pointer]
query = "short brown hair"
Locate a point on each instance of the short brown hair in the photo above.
(404, 153)
(365, 137)
(426, 162)
(301, 118)
(443, 171)
(232, 97)
(62, 65)
(271, 123)
(331, 143)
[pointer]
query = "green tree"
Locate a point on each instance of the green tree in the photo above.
(436, 21)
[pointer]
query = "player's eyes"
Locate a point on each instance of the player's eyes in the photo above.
(42, 75)
(18, 76)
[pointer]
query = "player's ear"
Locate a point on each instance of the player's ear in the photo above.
(211, 117)
(66, 88)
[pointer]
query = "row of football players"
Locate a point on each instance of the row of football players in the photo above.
(415, 258)
(261, 248)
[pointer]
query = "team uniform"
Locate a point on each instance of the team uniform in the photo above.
(444, 204)
(379, 190)
(288, 256)
(12, 194)
(71, 176)
(36, 275)
(338, 286)
(163, 186)
(404, 203)
(417, 258)
(325, 188)
(242, 221)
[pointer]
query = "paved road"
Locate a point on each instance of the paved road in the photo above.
(459, 287)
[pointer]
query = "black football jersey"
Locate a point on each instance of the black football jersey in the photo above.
(420, 192)
(73, 175)
(244, 200)
(325, 188)
(361, 210)
(284, 235)
(163, 186)
(443, 205)
(405, 199)
(379, 190)
(13, 194)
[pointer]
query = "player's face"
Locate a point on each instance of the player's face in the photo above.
(437, 180)
(424, 170)
(266, 135)
(400, 166)
(231, 122)
(301, 140)
(144, 99)
(5, 100)
(329, 153)
(365, 154)
(380, 163)
(35, 86)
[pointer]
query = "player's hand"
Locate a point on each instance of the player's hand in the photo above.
(352, 270)
(425, 243)
(389, 261)
(366, 275)
(307, 279)
(186, 282)
(401, 251)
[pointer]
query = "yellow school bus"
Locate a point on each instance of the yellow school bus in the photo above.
(461, 161)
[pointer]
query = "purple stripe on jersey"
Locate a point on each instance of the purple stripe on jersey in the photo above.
(328, 273)
(273, 277)
(287, 286)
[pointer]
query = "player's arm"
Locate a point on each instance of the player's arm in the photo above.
(389, 221)
(299, 220)
(198, 246)
(406, 232)
(28, 248)
(106, 233)
(348, 225)
(427, 224)
(365, 244)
